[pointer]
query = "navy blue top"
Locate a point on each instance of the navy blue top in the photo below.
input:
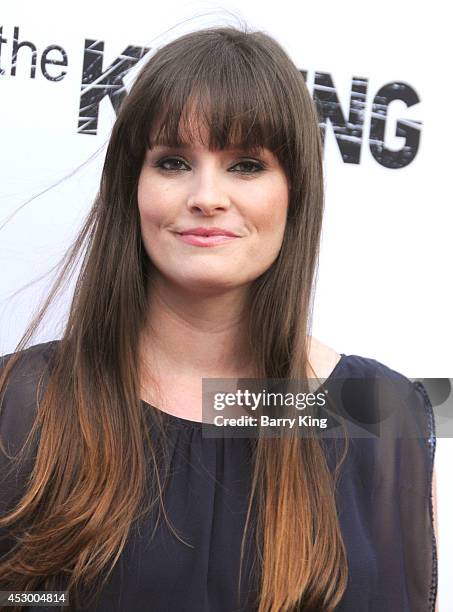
(383, 500)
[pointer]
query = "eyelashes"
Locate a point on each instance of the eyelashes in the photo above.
(176, 164)
(257, 166)
(170, 160)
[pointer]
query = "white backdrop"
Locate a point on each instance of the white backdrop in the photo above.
(383, 288)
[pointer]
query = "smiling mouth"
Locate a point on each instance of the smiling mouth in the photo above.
(206, 240)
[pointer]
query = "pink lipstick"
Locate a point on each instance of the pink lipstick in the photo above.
(206, 236)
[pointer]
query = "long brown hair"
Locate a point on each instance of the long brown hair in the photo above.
(92, 466)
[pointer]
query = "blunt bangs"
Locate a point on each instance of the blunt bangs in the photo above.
(221, 97)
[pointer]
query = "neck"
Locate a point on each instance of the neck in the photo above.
(195, 334)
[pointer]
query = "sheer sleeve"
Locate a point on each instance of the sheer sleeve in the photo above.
(425, 410)
(18, 405)
(402, 520)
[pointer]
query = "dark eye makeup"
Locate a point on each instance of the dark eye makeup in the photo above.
(176, 164)
(169, 164)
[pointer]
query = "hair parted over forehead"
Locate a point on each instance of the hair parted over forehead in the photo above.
(223, 88)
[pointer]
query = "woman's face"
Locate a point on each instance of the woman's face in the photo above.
(244, 193)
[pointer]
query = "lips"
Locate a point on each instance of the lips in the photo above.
(208, 231)
(202, 240)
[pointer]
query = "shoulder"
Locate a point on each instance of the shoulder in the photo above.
(28, 365)
(385, 399)
(33, 356)
(322, 358)
(325, 360)
(395, 387)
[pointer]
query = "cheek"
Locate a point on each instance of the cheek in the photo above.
(271, 211)
(144, 198)
(152, 204)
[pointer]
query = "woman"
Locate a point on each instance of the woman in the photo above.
(201, 251)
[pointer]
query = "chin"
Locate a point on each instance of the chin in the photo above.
(210, 283)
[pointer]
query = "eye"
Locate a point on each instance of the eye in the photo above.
(170, 164)
(249, 166)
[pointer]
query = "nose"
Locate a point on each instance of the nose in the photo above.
(206, 195)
